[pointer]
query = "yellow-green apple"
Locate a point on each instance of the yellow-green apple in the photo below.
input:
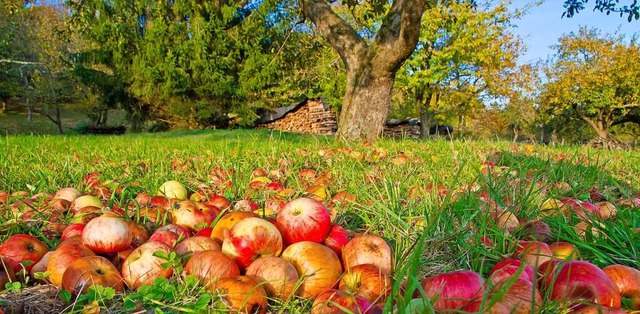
(226, 222)
(22, 251)
(210, 266)
(243, 294)
(303, 219)
(564, 250)
(279, 277)
(334, 301)
(368, 249)
(65, 254)
(67, 194)
(453, 290)
(317, 265)
(173, 189)
(250, 239)
(85, 201)
(196, 244)
(193, 216)
(338, 237)
(367, 281)
(533, 253)
(142, 267)
(91, 271)
(106, 234)
(628, 281)
(575, 281)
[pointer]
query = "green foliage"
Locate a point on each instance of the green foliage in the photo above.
(595, 79)
(632, 10)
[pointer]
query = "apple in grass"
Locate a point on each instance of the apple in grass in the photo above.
(303, 219)
(66, 253)
(367, 281)
(22, 251)
(72, 230)
(628, 281)
(508, 268)
(226, 222)
(173, 189)
(564, 250)
(210, 266)
(452, 291)
(85, 201)
(218, 201)
(6, 273)
(246, 205)
(533, 253)
(195, 244)
(243, 294)
(91, 271)
(193, 216)
(368, 249)
(107, 234)
(250, 239)
(143, 267)
(338, 237)
(334, 301)
(166, 237)
(279, 277)
(68, 194)
(318, 265)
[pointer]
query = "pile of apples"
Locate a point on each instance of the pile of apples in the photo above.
(235, 252)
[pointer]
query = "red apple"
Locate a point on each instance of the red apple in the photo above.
(6, 273)
(196, 244)
(204, 232)
(509, 268)
(368, 249)
(72, 230)
(141, 267)
(580, 281)
(22, 250)
(584, 210)
(628, 281)
(452, 291)
(66, 253)
(181, 231)
(227, 221)
(40, 266)
(279, 277)
(246, 205)
(337, 302)
(219, 202)
(338, 237)
(143, 199)
(317, 265)
(304, 219)
(607, 210)
(166, 237)
(367, 281)
(193, 216)
(243, 294)
(160, 201)
(533, 253)
(139, 233)
(250, 239)
(210, 266)
(90, 271)
(173, 189)
(107, 234)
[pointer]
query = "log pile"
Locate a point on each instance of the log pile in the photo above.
(310, 118)
(399, 131)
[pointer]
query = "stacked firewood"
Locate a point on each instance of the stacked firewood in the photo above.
(401, 131)
(312, 118)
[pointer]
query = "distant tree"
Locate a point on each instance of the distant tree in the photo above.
(596, 79)
(465, 55)
(632, 10)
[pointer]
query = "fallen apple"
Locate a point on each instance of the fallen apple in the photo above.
(338, 237)
(317, 265)
(303, 219)
(243, 294)
(279, 277)
(250, 239)
(226, 222)
(106, 234)
(452, 291)
(211, 266)
(334, 301)
(627, 280)
(22, 251)
(89, 271)
(367, 281)
(368, 249)
(142, 267)
(173, 189)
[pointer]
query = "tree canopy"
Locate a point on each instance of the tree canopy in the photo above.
(631, 10)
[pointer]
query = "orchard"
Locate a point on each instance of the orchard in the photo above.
(299, 237)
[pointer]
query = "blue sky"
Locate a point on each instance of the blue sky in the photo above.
(543, 25)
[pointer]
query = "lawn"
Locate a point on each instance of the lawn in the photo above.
(434, 202)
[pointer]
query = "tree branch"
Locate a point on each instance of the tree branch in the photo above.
(340, 35)
(398, 34)
(19, 62)
(629, 118)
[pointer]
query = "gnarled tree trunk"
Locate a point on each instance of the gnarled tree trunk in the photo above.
(371, 67)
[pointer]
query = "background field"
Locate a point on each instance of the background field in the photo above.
(431, 230)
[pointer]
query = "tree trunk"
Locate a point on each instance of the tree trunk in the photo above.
(426, 121)
(29, 111)
(515, 135)
(365, 105)
(59, 120)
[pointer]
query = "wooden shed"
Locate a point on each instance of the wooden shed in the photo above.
(309, 116)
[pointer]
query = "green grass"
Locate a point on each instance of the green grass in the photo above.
(429, 234)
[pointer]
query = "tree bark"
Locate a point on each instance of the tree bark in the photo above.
(371, 68)
(59, 120)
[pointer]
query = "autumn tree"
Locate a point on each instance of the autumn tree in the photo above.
(465, 55)
(595, 78)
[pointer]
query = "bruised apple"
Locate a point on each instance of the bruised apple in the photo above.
(367, 249)
(250, 239)
(243, 294)
(279, 277)
(317, 264)
(367, 281)
(141, 267)
(91, 271)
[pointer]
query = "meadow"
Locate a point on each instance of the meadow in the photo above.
(433, 202)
